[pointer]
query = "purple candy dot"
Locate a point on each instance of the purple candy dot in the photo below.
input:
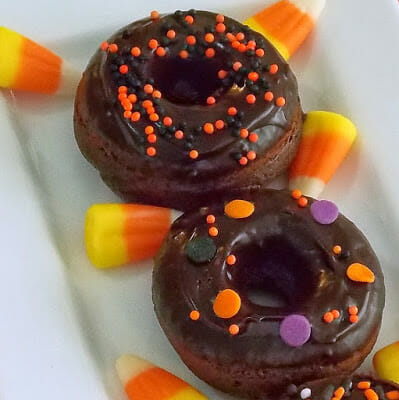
(295, 330)
(324, 211)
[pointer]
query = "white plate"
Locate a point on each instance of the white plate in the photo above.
(64, 322)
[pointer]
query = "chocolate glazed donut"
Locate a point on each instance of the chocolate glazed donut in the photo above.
(177, 110)
(219, 266)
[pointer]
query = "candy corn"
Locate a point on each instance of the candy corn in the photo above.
(326, 139)
(25, 65)
(287, 23)
(117, 234)
(386, 362)
(143, 380)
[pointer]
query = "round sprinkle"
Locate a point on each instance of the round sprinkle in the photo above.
(151, 110)
(273, 69)
(200, 250)
(209, 128)
(251, 155)
(194, 315)
(210, 219)
(191, 40)
(239, 209)
(147, 103)
(148, 88)
(153, 44)
(337, 249)
(244, 133)
(231, 259)
(220, 27)
(122, 96)
(234, 329)
(353, 319)
(324, 212)
(189, 19)
(219, 124)
(240, 36)
(152, 138)
(335, 314)
(220, 18)
(149, 130)
(251, 44)
(302, 202)
(232, 111)
(184, 54)
(135, 51)
(132, 98)
(236, 66)
(253, 137)
(253, 76)
(222, 74)
(280, 101)
(104, 46)
(171, 34)
(122, 89)
(260, 52)
(160, 52)
(179, 134)
(360, 273)
(243, 161)
(127, 105)
(113, 48)
(154, 117)
(136, 116)
(295, 330)
(193, 154)
(269, 96)
(209, 37)
(353, 310)
(242, 48)
(127, 114)
(167, 121)
(151, 151)
(154, 14)
(235, 44)
(251, 99)
(209, 53)
(156, 94)
(305, 393)
(328, 317)
(227, 304)
(296, 194)
(213, 231)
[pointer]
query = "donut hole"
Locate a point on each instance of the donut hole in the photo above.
(188, 81)
(274, 273)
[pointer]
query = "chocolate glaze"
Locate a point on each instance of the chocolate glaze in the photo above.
(279, 249)
(216, 151)
(323, 389)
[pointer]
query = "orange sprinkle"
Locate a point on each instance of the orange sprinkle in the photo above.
(232, 111)
(122, 96)
(149, 129)
(302, 202)
(231, 259)
(209, 53)
(280, 101)
(251, 155)
(235, 44)
(132, 98)
(154, 117)
(353, 319)
(243, 161)
(260, 52)
(213, 231)
(127, 114)
(296, 194)
(135, 51)
(236, 66)
(154, 14)
(147, 104)
(152, 138)
(360, 273)
(227, 304)
(339, 392)
(153, 44)
(183, 54)
(194, 315)
(392, 395)
(113, 48)
(171, 34)
(251, 44)
(127, 105)
(209, 128)
(219, 124)
(189, 19)
(156, 94)
(273, 69)
(244, 133)
(239, 209)
(328, 317)
(220, 18)
(335, 314)
(371, 394)
(234, 329)
(269, 96)
(151, 151)
(230, 37)
(124, 69)
(160, 52)
(167, 121)
(136, 116)
(242, 48)
(122, 89)
(210, 100)
(363, 385)
(210, 219)
(240, 36)
(253, 137)
(104, 46)
(337, 249)
(222, 74)
(179, 134)
(148, 88)
(193, 154)
(353, 310)
(191, 40)
(220, 27)
(150, 110)
(253, 76)
(251, 99)
(209, 37)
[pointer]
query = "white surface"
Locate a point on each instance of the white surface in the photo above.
(65, 323)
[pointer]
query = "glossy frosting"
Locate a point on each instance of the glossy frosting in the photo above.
(281, 249)
(219, 152)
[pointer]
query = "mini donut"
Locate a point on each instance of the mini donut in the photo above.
(359, 387)
(175, 110)
(268, 289)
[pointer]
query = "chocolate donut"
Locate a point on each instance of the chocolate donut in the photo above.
(178, 109)
(266, 290)
(359, 387)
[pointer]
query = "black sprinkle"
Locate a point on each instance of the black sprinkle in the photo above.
(292, 389)
(113, 67)
(236, 132)
(240, 115)
(230, 120)
(165, 41)
(188, 146)
(236, 156)
(250, 53)
(345, 254)
(201, 250)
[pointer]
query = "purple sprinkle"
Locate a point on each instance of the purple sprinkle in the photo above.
(295, 330)
(324, 211)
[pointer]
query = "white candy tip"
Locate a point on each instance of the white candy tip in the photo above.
(311, 7)
(70, 77)
(309, 186)
(128, 366)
